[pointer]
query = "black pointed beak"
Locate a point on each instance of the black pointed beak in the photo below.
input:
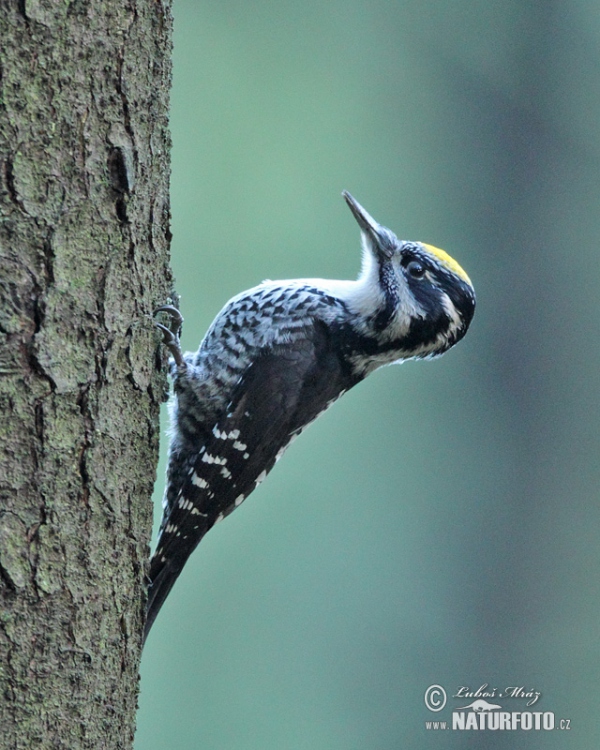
(380, 236)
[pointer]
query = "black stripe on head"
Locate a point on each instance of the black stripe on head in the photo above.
(463, 298)
(424, 331)
(421, 332)
(389, 286)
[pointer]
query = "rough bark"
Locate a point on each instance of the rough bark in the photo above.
(84, 235)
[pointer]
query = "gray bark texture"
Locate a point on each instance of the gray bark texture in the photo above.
(84, 241)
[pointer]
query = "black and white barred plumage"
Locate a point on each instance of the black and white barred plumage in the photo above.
(275, 358)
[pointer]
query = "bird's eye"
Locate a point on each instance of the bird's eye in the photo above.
(415, 269)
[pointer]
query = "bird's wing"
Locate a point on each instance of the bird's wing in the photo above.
(283, 390)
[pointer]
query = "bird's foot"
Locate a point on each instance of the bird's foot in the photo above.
(170, 333)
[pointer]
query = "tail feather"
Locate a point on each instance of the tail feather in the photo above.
(162, 577)
(165, 568)
(166, 564)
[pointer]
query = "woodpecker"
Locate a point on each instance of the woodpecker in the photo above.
(274, 359)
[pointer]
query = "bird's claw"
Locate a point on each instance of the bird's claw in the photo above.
(175, 317)
(170, 333)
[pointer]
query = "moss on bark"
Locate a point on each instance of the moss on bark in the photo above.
(84, 236)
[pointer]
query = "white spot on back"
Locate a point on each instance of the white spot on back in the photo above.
(208, 459)
(198, 481)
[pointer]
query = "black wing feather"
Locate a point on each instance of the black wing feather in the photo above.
(285, 388)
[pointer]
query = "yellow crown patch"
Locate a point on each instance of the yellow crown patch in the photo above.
(448, 261)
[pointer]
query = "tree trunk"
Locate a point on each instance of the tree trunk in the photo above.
(84, 236)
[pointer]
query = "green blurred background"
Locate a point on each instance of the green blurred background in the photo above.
(440, 523)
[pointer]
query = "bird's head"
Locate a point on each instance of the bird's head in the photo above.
(414, 298)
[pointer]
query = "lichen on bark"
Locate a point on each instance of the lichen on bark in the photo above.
(84, 240)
